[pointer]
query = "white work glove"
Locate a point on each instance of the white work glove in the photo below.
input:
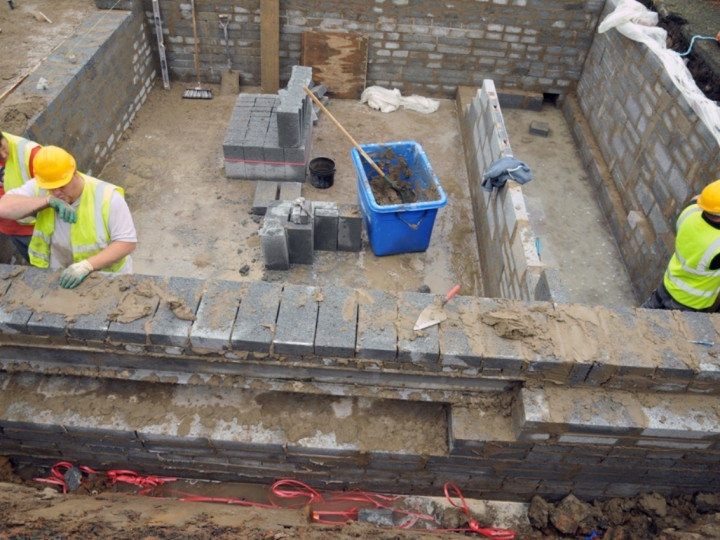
(73, 275)
(64, 210)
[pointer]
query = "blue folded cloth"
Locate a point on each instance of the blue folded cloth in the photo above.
(504, 169)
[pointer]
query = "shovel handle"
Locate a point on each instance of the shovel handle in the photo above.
(344, 132)
(452, 293)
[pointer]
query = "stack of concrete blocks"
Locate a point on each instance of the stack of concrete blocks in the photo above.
(293, 229)
(269, 135)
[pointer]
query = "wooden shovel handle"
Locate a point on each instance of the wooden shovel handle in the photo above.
(344, 131)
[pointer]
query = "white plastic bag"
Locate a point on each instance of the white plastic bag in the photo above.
(636, 22)
(382, 99)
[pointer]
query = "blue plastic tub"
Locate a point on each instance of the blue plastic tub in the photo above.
(398, 228)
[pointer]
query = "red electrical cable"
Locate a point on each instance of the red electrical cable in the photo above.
(58, 478)
(474, 525)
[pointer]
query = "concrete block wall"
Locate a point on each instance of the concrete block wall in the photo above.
(647, 151)
(506, 242)
(97, 80)
(419, 47)
(640, 420)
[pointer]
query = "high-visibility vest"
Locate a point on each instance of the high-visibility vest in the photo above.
(88, 235)
(688, 277)
(17, 165)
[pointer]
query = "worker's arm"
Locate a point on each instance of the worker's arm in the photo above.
(73, 275)
(13, 206)
(111, 254)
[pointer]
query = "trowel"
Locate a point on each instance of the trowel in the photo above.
(434, 314)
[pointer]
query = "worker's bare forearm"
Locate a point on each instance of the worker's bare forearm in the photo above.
(111, 254)
(19, 206)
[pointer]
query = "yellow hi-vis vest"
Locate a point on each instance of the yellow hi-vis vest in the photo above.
(688, 277)
(17, 166)
(88, 235)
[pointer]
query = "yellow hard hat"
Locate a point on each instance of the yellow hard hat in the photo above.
(709, 199)
(54, 167)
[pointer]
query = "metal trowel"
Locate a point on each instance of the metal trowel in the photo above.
(434, 314)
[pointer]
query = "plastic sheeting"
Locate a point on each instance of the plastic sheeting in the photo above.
(638, 23)
(384, 100)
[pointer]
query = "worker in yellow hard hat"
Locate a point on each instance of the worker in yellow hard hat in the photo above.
(16, 167)
(692, 277)
(68, 232)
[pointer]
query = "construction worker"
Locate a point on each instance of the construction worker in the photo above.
(82, 223)
(16, 168)
(692, 277)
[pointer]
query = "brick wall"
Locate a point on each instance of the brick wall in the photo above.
(646, 149)
(506, 242)
(641, 420)
(96, 81)
(420, 47)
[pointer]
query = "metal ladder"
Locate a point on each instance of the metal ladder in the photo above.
(161, 44)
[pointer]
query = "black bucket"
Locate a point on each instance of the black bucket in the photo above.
(322, 172)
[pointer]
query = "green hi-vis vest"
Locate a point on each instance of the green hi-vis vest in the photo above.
(88, 235)
(17, 166)
(688, 277)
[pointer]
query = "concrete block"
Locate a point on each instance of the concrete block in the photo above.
(215, 315)
(175, 315)
(22, 283)
(47, 322)
(300, 242)
(235, 169)
(274, 246)
(288, 123)
(325, 219)
(376, 333)
(456, 348)
(417, 347)
(256, 318)
(349, 228)
(539, 128)
(94, 326)
(289, 191)
(279, 211)
(337, 323)
(295, 330)
(265, 192)
(135, 309)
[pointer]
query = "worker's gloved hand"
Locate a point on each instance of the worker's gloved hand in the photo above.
(64, 210)
(73, 275)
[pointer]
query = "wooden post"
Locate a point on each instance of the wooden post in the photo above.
(270, 46)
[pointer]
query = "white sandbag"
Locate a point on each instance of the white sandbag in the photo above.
(636, 22)
(384, 100)
(381, 99)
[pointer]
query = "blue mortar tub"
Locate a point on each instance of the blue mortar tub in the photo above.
(398, 228)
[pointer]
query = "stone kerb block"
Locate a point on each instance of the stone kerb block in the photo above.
(297, 317)
(350, 223)
(136, 307)
(421, 346)
(257, 317)
(376, 332)
(337, 323)
(170, 326)
(21, 284)
(325, 225)
(215, 316)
